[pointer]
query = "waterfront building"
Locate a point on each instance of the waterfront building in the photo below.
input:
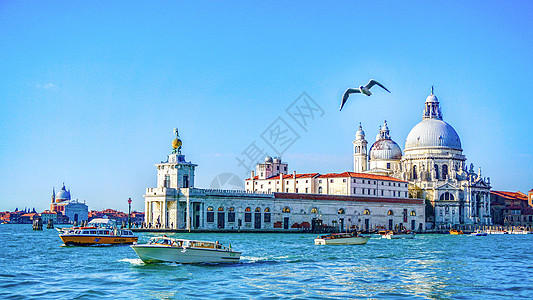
(275, 200)
(49, 215)
(434, 165)
(511, 208)
(62, 204)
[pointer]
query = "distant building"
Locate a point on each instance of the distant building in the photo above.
(28, 218)
(49, 215)
(72, 209)
(511, 208)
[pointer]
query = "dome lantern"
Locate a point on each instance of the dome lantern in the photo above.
(432, 108)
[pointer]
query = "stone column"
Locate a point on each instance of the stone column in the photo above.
(188, 214)
(164, 214)
(146, 205)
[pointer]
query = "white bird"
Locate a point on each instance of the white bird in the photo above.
(361, 89)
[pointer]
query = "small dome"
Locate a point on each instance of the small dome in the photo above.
(360, 134)
(268, 159)
(433, 133)
(432, 98)
(385, 149)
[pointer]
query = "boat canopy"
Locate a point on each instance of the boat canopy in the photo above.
(100, 222)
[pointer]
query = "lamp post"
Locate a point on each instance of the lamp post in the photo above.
(129, 213)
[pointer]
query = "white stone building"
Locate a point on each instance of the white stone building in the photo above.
(433, 162)
(274, 200)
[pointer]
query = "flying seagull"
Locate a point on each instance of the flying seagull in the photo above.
(361, 89)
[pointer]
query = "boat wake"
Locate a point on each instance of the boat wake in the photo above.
(133, 261)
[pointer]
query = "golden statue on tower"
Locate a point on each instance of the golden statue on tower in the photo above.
(176, 143)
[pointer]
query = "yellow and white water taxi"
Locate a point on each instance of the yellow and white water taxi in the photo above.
(97, 231)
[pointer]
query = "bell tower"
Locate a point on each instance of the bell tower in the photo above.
(360, 158)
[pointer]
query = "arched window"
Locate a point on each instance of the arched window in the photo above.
(286, 209)
(413, 213)
(221, 208)
(436, 171)
(231, 214)
(320, 190)
(210, 215)
(314, 210)
(267, 209)
(247, 209)
(444, 172)
(341, 211)
(390, 213)
(366, 212)
(258, 209)
(447, 196)
(415, 176)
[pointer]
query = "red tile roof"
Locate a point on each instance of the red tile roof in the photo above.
(510, 195)
(360, 175)
(334, 175)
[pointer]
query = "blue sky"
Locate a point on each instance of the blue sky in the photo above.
(91, 91)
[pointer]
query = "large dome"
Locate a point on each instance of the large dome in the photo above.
(385, 149)
(433, 133)
(63, 194)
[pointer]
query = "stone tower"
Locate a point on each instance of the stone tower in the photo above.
(360, 159)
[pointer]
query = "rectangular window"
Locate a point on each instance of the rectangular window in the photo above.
(374, 192)
(267, 217)
(354, 191)
(231, 217)
(381, 192)
(296, 190)
(354, 181)
(388, 166)
(210, 216)
(248, 217)
(306, 190)
(344, 180)
(320, 181)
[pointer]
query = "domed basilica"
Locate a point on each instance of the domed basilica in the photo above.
(434, 165)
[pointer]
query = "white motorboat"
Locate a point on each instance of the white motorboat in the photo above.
(165, 249)
(341, 239)
(479, 233)
(392, 235)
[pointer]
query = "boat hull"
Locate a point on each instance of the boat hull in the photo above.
(359, 240)
(399, 236)
(77, 240)
(156, 254)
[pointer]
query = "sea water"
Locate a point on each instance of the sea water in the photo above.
(33, 264)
